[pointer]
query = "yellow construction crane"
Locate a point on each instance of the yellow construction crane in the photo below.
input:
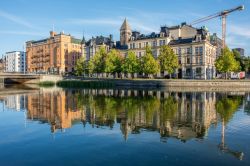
(223, 14)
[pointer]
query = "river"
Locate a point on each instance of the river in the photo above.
(54, 126)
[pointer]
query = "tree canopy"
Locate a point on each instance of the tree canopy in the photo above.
(131, 63)
(168, 60)
(227, 62)
(80, 66)
(148, 64)
(113, 62)
(97, 62)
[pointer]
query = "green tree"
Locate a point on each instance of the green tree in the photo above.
(239, 59)
(226, 62)
(131, 64)
(113, 62)
(97, 62)
(148, 64)
(80, 65)
(168, 60)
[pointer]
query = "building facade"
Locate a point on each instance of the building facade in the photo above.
(92, 46)
(241, 51)
(195, 51)
(1, 65)
(57, 54)
(15, 61)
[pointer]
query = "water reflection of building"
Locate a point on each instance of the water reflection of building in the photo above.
(15, 102)
(195, 113)
(178, 115)
(56, 108)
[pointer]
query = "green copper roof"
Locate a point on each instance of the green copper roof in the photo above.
(75, 41)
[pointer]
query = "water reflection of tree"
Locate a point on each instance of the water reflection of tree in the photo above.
(169, 107)
(226, 107)
(132, 112)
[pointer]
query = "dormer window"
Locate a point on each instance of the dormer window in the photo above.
(198, 38)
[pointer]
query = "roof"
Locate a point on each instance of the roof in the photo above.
(75, 41)
(39, 41)
(14, 52)
(99, 40)
(125, 25)
(181, 41)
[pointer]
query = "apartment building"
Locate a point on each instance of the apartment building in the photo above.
(14, 61)
(195, 51)
(57, 54)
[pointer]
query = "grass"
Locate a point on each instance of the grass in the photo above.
(47, 84)
(85, 84)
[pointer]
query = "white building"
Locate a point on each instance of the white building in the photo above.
(15, 102)
(15, 61)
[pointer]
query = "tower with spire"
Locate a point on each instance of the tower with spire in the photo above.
(125, 33)
(83, 46)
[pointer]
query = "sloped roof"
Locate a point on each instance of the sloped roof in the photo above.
(125, 25)
(181, 41)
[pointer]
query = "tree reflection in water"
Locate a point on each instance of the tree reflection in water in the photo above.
(179, 115)
(226, 106)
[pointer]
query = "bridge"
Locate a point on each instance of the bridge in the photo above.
(19, 78)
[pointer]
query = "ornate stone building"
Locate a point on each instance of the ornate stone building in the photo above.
(90, 47)
(1, 65)
(56, 54)
(195, 51)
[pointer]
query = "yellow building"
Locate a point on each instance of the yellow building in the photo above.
(58, 108)
(56, 54)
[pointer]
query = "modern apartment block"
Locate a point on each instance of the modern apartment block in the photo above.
(15, 102)
(15, 61)
(195, 51)
(57, 54)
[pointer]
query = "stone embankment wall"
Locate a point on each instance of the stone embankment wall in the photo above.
(184, 83)
(53, 78)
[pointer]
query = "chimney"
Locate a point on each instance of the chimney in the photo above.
(52, 33)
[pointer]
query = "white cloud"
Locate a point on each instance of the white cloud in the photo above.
(15, 19)
(240, 30)
(21, 33)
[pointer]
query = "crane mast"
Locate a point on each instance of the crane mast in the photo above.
(223, 14)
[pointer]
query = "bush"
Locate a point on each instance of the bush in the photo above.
(47, 84)
(85, 84)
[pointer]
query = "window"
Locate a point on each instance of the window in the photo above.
(139, 45)
(154, 43)
(133, 45)
(162, 42)
(188, 60)
(200, 50)
(179, 61)
(179, 51)
(196, 50)
(198, 71)
(139, 54)
(189, 51)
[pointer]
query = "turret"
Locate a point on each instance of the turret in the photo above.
(125, 33)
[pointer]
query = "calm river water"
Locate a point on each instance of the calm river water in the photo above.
(123, 127)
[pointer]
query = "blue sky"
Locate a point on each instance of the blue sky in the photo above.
(23, 20)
